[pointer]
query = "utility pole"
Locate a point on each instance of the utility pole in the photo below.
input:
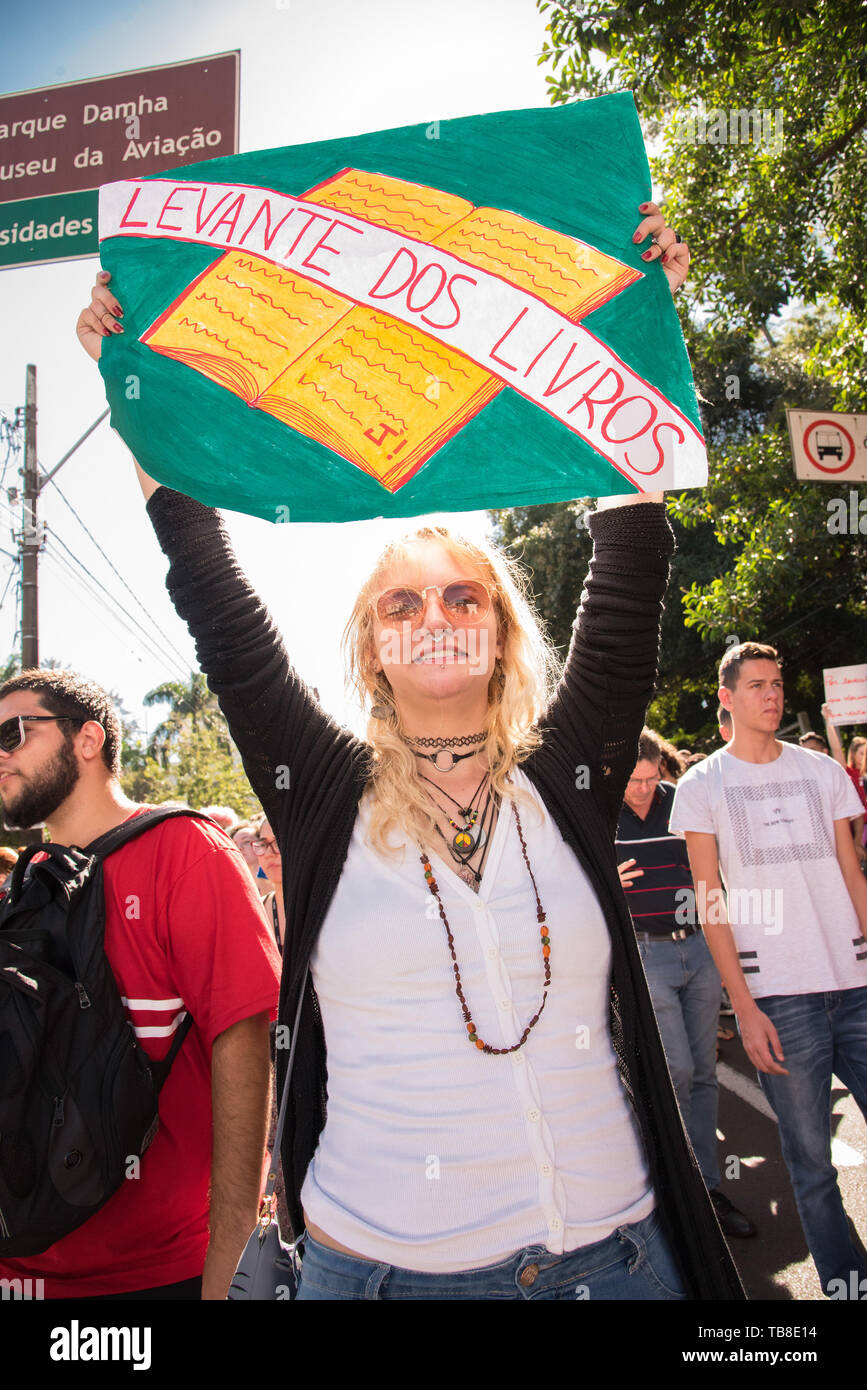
(30, 537)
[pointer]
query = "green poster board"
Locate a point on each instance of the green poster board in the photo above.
(432, 318)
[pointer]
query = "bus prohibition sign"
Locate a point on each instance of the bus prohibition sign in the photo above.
(829, 439)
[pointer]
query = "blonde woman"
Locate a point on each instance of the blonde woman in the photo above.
(480, 1106)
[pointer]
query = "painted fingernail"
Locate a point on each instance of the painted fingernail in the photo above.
(117, 310)
(646, 255)
(637, 237)
(103, 275)
(117, 328)
(664, 258)
(642, 207)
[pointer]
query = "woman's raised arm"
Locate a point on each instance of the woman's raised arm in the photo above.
(281, 730)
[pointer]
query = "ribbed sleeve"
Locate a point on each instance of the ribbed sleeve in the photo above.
(598, 709)
(273, 717)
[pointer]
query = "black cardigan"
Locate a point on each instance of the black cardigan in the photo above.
(593, 722)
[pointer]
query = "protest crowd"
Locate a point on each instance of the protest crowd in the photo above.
(511, 1106)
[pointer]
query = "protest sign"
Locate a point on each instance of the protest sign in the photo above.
(846, 693)
(431, 318)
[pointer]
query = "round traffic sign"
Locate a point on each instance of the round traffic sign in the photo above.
(828, 438)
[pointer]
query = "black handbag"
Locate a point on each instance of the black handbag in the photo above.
(268, 1267)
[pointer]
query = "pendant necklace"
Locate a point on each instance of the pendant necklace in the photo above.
(465, 842)
(444, 758)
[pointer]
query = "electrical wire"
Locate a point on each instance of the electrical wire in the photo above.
(118, 613)
(105, 594)
(164, 636)
(9, 578)
(102, 615)
(9, 432)
(102, 611)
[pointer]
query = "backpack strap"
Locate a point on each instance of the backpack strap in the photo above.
(113, 840)
(130, 829)
(161, 1069)
(50, 850)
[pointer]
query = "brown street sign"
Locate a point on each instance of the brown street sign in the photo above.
(78, 136)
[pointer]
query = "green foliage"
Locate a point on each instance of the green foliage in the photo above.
(202, 769)
(755, 558)
(773, 208)
(781, 216)
(190, 756)
(552, 543)
(191, 706)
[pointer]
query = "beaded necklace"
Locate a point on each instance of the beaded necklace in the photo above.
(546, 952)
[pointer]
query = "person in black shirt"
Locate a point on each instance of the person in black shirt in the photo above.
(683, 980)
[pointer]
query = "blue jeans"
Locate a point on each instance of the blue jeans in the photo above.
(632, 1263)
(685, 988)
(819, 1034)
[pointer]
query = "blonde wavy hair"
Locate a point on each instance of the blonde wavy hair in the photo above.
(519, 688)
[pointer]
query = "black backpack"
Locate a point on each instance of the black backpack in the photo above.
(78, 1095)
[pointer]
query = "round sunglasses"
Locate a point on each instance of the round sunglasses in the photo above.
(464, 600)
(13, 733)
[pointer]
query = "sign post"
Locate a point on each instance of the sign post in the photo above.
(59, 144)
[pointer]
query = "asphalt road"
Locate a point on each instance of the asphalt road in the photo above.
(776, 1264)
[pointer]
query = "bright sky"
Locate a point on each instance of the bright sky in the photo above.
(310, 70)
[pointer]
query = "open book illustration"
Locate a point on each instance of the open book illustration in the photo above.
(366, 385)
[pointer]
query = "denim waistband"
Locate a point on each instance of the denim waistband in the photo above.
(529, 1272)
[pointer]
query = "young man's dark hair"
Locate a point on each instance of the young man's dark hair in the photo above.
(64, 692)
(730, 666)
(809, 737)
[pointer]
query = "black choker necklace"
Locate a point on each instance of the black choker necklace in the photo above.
(445, 753)
(452, 741)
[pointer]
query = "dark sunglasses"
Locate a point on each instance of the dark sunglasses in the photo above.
(12, 732)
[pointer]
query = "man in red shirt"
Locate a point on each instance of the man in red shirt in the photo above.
(184, 934)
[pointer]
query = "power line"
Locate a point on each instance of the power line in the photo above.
(107, 594)
(164, 636)
(103, 612)
(100, 613)
(143, 639)
(104, 595)
(9, 580)
(9, 432)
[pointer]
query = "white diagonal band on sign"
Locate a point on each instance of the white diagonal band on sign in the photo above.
(541, 354)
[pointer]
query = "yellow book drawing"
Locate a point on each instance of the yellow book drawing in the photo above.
(368, 386)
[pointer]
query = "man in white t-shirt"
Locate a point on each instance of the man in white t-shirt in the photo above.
(788, 935)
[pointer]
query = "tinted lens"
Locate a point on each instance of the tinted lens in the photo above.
(398, 605)
(11, 734)
(467, 599)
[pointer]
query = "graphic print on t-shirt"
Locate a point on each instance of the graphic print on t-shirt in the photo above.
(761, 818)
